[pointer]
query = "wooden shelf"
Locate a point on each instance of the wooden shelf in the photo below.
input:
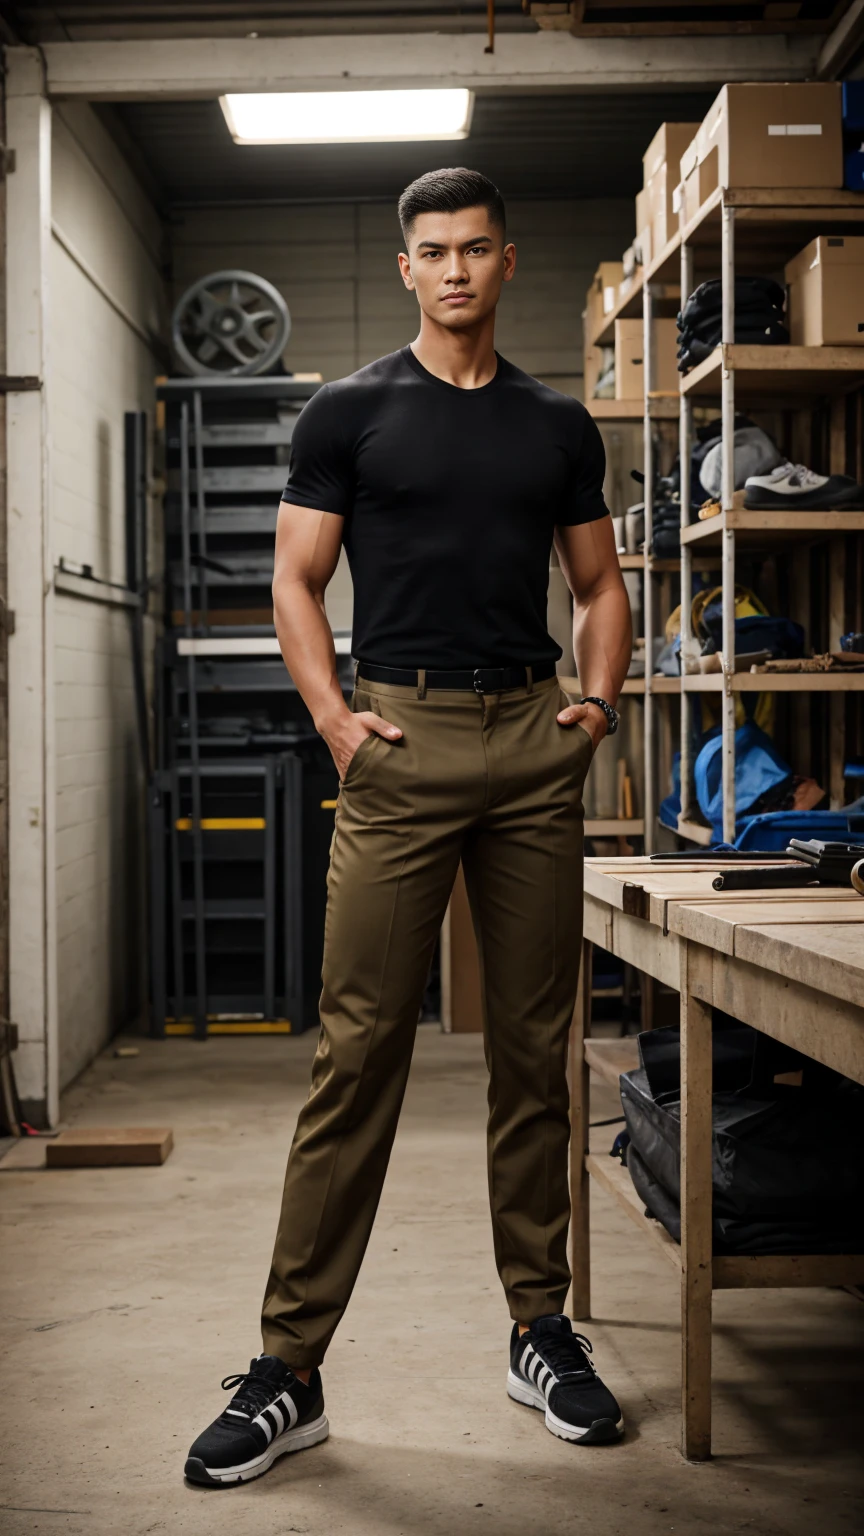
(776, 682)
(761, 528)
(771, 226)
(604, 334)
(614, 826)
(631, 685)
(615, 1179)
(776, 371)
(660, 683)
(631, 562)
(609, 1058)
(660, 408)
(695, 832)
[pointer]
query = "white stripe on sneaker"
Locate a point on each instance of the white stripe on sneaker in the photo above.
(290, 1409)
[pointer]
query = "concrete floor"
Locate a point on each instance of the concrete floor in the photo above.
(129, 1293)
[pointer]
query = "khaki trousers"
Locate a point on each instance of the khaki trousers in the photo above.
(495, 781)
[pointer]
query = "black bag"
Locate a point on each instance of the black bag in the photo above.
(787, 1161)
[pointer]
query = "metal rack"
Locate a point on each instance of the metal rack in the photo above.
(238, 856)
(768, 228)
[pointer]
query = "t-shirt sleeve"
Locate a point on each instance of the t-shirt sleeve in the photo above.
(320, 473)
(583, 501)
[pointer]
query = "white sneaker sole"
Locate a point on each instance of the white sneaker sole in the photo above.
(299, 1439)
(598, 1433)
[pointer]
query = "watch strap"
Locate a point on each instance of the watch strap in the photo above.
(610, 713)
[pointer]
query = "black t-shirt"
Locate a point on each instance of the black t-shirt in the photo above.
(450, 497)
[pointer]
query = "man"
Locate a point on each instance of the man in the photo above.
(447, 473)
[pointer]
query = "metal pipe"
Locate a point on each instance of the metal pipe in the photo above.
(685, 432)
(194, 752)
(650, 792)
(201, 509)
(727, 413)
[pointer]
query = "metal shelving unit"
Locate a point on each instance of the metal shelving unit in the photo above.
(242, 794)
(768, 228)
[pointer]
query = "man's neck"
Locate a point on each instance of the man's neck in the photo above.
(464, 358)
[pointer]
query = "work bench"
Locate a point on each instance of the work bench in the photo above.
(791, 964)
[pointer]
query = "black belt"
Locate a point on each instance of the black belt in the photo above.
(480, 679)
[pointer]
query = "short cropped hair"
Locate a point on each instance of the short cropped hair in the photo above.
(449, 191)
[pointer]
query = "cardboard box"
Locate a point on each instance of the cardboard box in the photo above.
(826, 293)
(603, 293)
(765, 135)
(698, 180)
(630, 361)
(645, 245)
(666, 147)
(643, 209)
(660, 166)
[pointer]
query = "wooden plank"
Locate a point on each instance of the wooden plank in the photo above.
(778, 370)
(696, 1203)
(580, 1197)
(717, 925)
(765, 1271)
(824, 956)
(614, 826)
(776, 682)
(828, 1028)
(616, 1181)
(597, 922)
(694, 831)
(109, 1147)
(755, 528)
(643, 945)
(609, 1058)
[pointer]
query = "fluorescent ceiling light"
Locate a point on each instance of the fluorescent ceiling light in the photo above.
(344, 117)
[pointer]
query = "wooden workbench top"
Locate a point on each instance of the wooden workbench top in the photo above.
(813, 935)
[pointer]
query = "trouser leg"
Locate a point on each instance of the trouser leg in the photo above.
(393, 862)
(523, 867)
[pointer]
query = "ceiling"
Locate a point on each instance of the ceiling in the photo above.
(574, 145)
(35, 22)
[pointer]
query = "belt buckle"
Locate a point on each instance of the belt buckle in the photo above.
(478, 681)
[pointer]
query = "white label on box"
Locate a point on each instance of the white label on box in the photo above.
(794, 130)
(608, 300)
(677, 198)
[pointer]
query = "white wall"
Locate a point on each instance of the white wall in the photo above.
(105, 303)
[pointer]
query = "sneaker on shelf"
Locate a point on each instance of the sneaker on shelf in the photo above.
(273, 1412)
(550, 1370)
(794, 488)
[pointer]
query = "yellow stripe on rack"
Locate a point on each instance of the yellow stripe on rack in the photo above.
(223, 824)
(260, 1027)
(328, 805)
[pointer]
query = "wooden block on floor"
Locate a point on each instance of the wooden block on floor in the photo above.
(109, 1146)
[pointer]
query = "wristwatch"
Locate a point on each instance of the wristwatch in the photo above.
(610, 713)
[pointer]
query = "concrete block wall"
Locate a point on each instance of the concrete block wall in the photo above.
(107, 312)
(336, 266)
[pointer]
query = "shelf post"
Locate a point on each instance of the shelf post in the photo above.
(685, 433)
(650, 790)
(727, 413)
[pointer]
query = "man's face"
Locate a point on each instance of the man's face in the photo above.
(456, 265)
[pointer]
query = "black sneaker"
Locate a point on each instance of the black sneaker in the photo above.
(273, 1412)
(549, 1369)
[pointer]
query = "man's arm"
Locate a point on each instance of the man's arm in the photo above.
(602, 628)
(307, 553)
